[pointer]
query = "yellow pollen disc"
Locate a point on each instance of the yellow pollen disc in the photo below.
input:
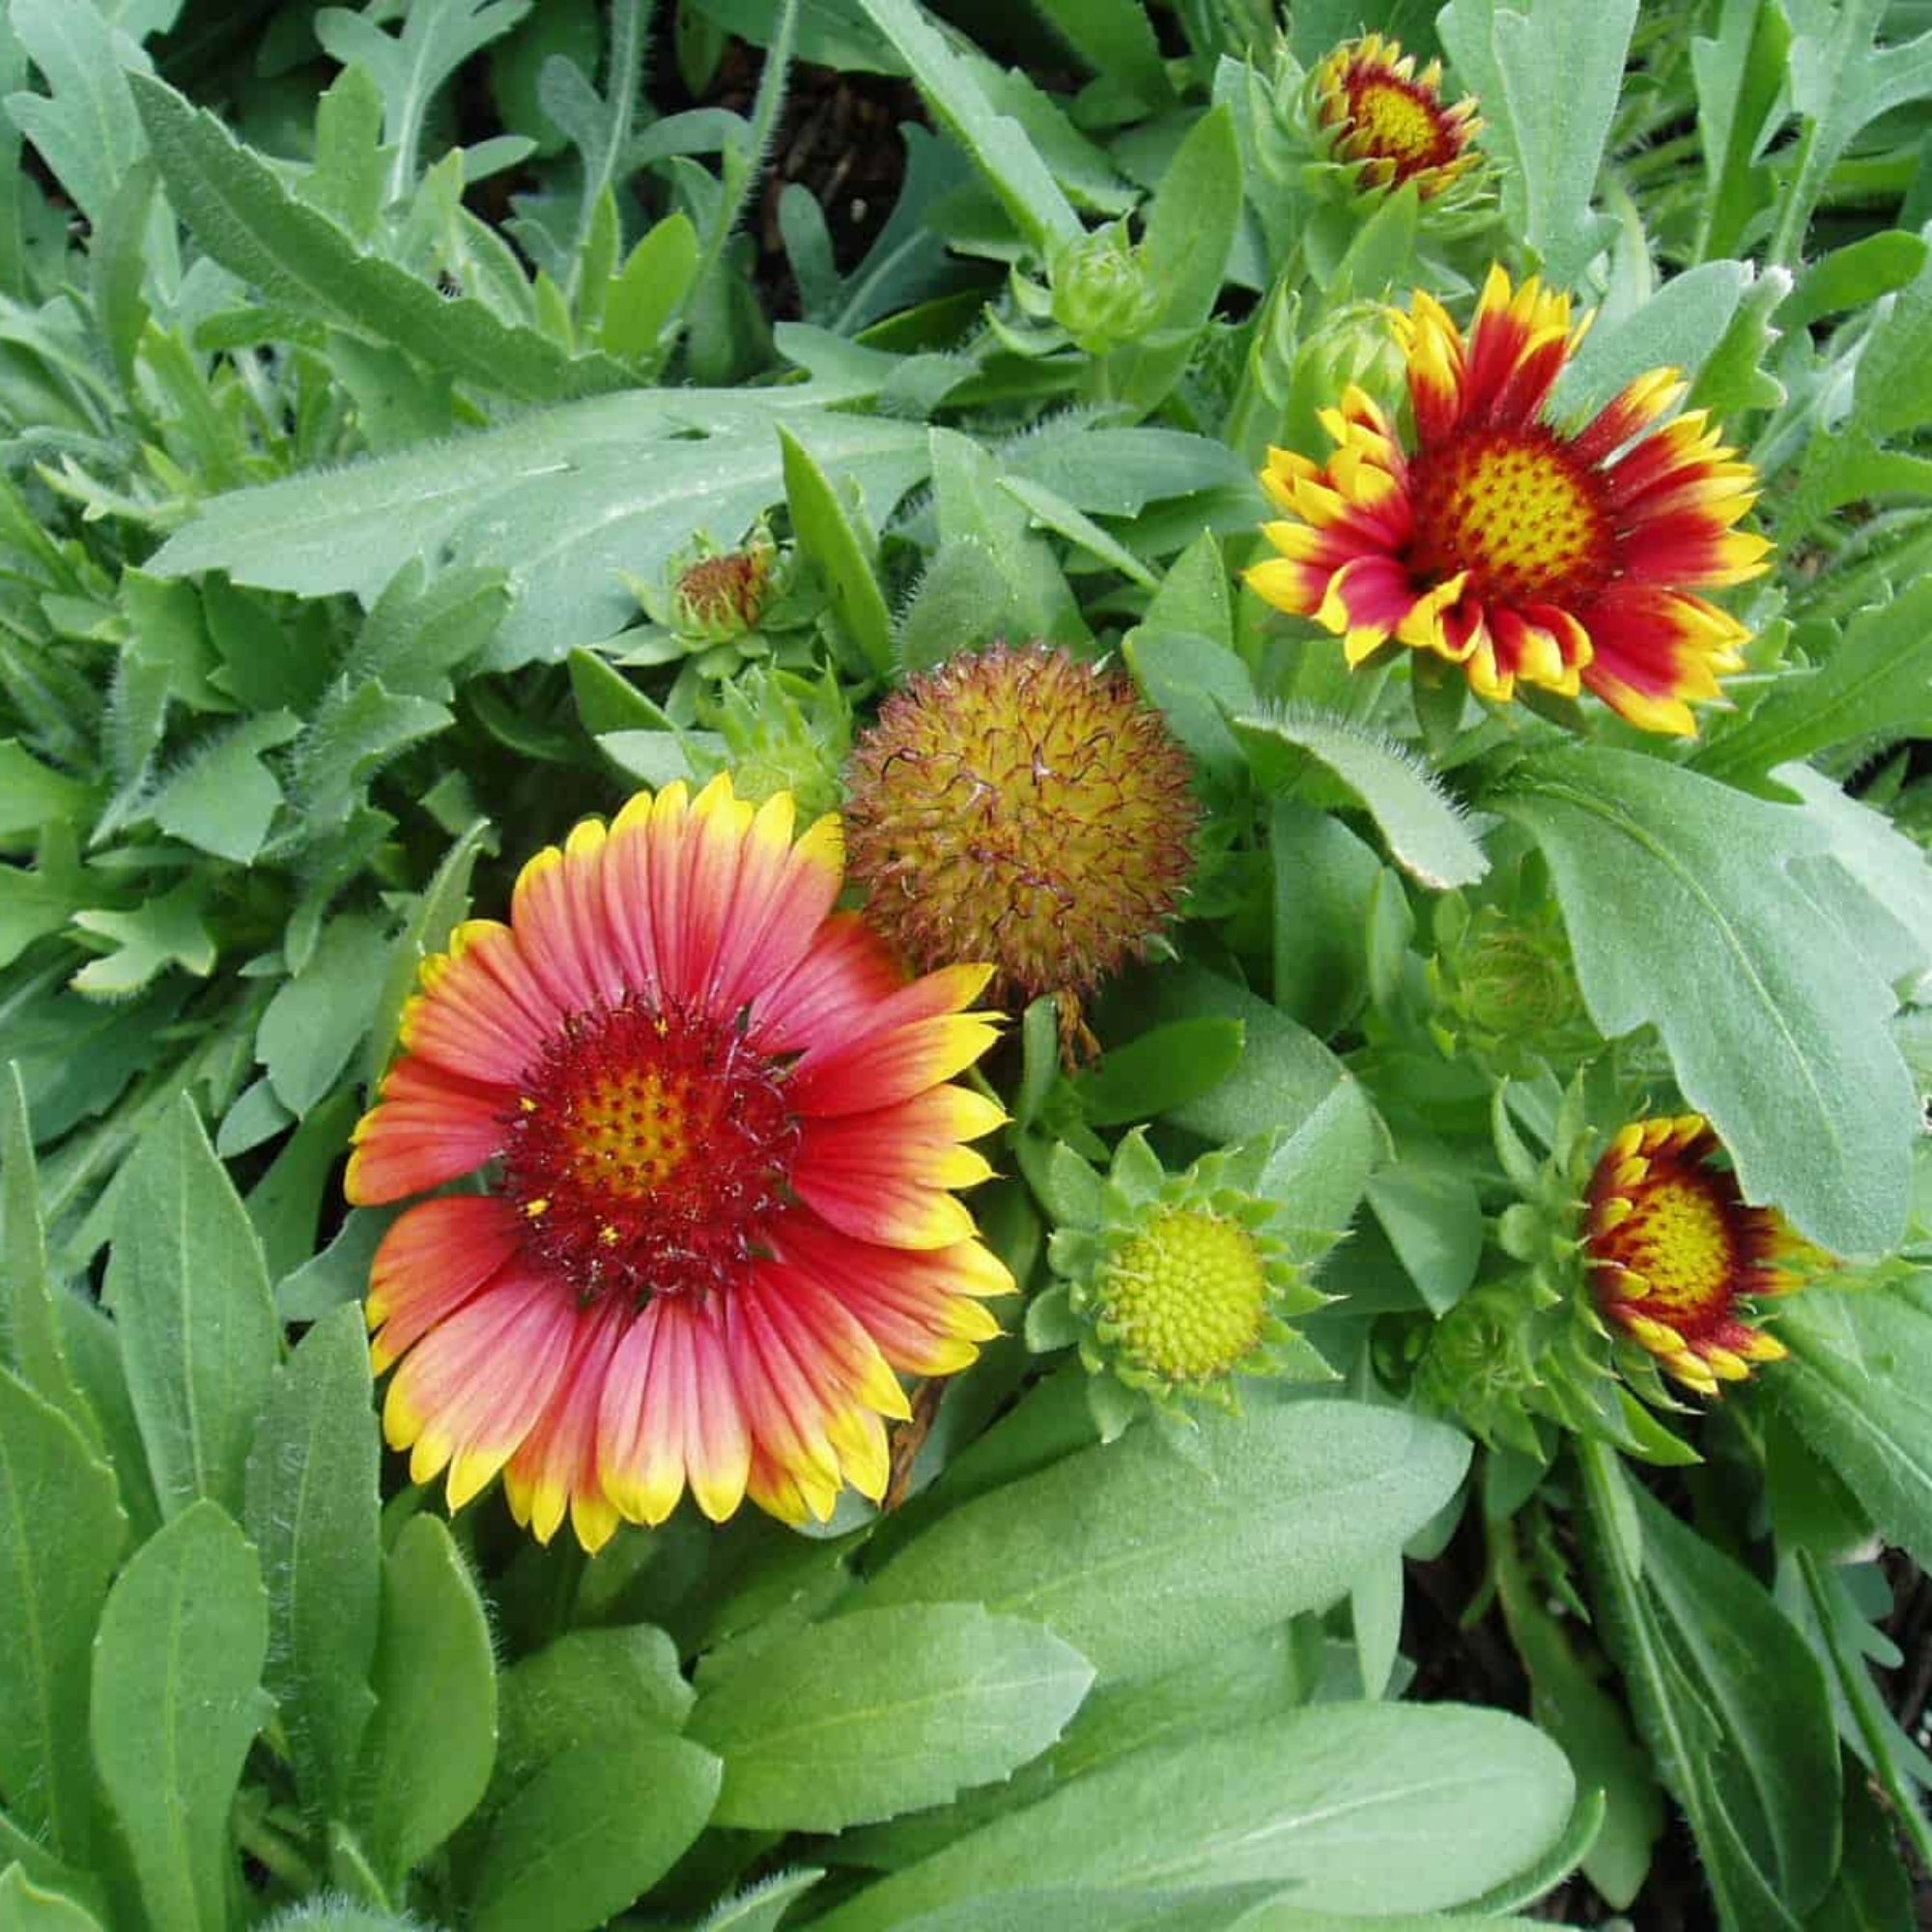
(1678, 1240)
(1515, 513)
(1187, 1297)
(629, 1133)
(1393, 122)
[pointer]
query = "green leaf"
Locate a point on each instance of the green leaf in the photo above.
(1366, 1810)
(431, 1744)
(570, 1692)
(411, 64)
(652, 286)
(256, 228)
(93, 1346)
(1426, 1201)
(1163, 1070)
(161, 934)
(30, 1301)
(316, 1021)
(285, 1205)
(1754, 988)
(599, 1825)
(1549, 138)
(348, 179)
(1117, 40)
(176, 1703)
(1141, 1558)
(31, 793)
(1875, 684)
(422, 627)
(189, 1292)
(562, 499)
(1325, 882)
(25, 1908)
(1679, 328)
(760, 1908)
(1428, 833)
(313, 1506)
(225, 799)
(87, 132)
(1860, 1390)
(997, 143)
(828, 541)
(884, 1710)
(61, 1529)
(358, 731)
(973, 507)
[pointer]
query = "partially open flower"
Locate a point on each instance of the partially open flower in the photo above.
(1379, 113)
(1173, 1287)
(1676, 1256)
(1525, 552)
(1022, 807)
(721, 1140)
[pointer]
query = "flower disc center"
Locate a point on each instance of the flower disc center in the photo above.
(1187, 1297)
(1679, 1236)
(1516, 512)
(1395, 123)
(648, 1149)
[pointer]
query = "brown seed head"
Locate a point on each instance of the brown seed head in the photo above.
(1022, 807)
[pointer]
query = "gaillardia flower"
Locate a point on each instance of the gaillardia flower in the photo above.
(1022, 806)
(1519, 550)
(1675, 1255)
(1379, 113)
(720, 1138)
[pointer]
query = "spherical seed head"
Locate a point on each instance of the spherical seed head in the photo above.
(1022, 807)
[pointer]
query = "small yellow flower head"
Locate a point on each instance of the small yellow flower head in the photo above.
(1675, 1255)
(1173, 1287)
(1378, 113)
(1022, 807)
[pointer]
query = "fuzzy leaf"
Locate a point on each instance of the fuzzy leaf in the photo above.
(829, 541)
(87, 131)
(176, 1703)
(1141, 1558)
(1681, 907)
(243, 216)
(61, 1528)
(312, 1506)
(317, 1020)
(189, 1291)
(225, 799)
(884, 1710)
(1427, 831)
(1365, 1811)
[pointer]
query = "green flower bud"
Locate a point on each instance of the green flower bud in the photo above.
(1103, 292)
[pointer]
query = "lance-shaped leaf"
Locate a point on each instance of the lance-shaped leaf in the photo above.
(1683, 911)
(177, 1702)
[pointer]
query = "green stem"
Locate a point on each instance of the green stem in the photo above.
(1795, 217)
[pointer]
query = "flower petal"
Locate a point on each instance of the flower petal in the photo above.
(427, 1126)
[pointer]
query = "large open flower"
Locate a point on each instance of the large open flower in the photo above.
(721, 1139)
(1522, 550)
(1675, 1254)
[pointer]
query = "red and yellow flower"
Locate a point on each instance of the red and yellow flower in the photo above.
(721, 1139)
(1377, 111)
(1675, 1256)
(1523, 552)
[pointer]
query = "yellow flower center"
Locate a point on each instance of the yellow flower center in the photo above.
(1395, 123)
(1188, 1296)
(1512, 509)
(648, 1151)
(1679, 1240)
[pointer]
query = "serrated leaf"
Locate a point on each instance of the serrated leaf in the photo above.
(312, 1510)
(760, 1908)
(348, 179)
(1551, 137)
(1875, 684)
(598, 1826)
(1366, 1810)
(427, 1756)
(225, 799)
(1141, 1558)
(177, 1702)
(884, 1710)
(189, 1291)
(563, 500)
(1427, 831)
(1754, 989)
(422, 627)
(243, 214)
(358, 731)
(411, 66)
(31, 793)
(61, 1530)
(87, 131)
(162, 933)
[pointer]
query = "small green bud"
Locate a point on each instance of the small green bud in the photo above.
(1103, 295)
